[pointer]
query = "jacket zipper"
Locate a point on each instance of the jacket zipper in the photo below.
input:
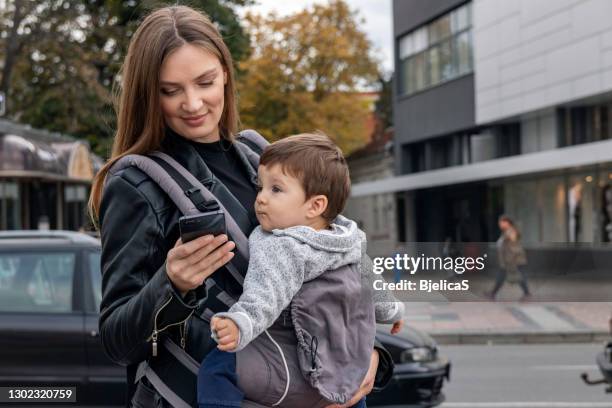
(183, 331)
(154, 335)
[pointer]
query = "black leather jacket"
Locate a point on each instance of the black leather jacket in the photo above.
(139, 225)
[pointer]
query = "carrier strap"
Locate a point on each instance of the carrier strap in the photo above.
(144, 370)
(242, 242)
(192, 197)
(162, 170)
(253, 139)
(182, 356)
(160, 176)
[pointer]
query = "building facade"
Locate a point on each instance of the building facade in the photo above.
(45, 179)
(374, 213)
(502, 107)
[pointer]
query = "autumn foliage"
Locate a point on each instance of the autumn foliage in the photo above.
(304, 73)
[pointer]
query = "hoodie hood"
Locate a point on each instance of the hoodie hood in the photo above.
(342, 235)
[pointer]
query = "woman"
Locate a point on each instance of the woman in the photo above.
(177, 95)
(511, 256)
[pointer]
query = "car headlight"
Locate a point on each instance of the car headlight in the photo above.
(417, 354)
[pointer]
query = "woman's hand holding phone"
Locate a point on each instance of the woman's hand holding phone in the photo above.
(188, 265)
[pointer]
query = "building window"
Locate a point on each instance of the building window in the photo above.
(42, 204)
(10, 206)
(413, 158)
(471, 146)
(75, 207)
(605, 205)
(437, 52)
(443, 153)
(584, 124)
(508, 139)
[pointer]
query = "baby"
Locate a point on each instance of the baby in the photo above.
(305, 277)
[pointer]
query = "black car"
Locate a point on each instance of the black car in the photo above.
(49, 298)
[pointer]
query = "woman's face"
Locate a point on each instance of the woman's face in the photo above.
(192, 83)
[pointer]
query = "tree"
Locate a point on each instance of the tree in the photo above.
(304, 72)
(47, 81)
(61, 58)
(12, 44)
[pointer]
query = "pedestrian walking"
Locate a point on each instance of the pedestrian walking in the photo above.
(512, 258)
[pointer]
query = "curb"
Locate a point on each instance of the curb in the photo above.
(521, 337)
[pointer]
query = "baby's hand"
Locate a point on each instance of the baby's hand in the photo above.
(397, 326)
(227, 333)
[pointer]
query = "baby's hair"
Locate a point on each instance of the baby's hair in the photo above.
(318, 163)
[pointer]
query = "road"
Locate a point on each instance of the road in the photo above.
(520, 376)
(523, 376)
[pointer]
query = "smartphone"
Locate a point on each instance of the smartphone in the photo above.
(197, 225)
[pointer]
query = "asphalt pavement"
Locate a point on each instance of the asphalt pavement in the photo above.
(523, 376)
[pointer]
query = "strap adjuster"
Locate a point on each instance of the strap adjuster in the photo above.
(200, 202)
(191, 191)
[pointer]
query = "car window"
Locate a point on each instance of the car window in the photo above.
(36, 282)
(96, 277)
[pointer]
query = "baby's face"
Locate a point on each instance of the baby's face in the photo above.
(281, 201)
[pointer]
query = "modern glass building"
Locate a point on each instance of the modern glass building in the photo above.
(502, 107)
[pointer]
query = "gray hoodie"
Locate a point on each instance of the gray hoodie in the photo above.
(282, 260)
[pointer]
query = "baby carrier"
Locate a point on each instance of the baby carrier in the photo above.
(309, 316)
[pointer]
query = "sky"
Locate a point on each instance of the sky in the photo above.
(377, 14)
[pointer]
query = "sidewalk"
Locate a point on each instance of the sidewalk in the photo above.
(511, 322)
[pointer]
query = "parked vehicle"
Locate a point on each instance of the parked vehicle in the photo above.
(50, 292)
(49, 297)
(604, 362)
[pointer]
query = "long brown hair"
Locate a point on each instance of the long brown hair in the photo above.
(140, 124)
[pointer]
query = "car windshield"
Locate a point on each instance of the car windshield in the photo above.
(36, 282)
